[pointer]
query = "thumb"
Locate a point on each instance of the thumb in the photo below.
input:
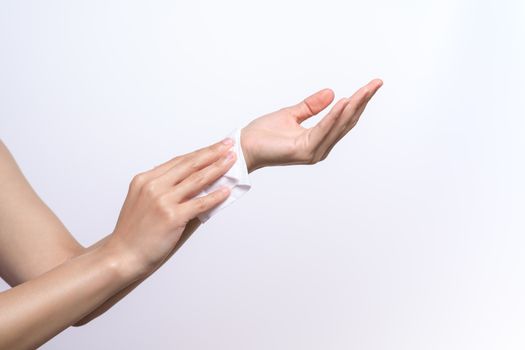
(312, 105)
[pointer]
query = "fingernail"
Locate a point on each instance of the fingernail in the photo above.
(228, 141)
(229, 156)
(225, 189)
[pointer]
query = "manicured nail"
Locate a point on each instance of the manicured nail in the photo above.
(228, 141)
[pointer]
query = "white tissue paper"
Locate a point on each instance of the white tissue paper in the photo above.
(236, 179)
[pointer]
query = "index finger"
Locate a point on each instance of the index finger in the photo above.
(196, 159)
(350, 115)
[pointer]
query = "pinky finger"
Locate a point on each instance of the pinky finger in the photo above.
(196, 206)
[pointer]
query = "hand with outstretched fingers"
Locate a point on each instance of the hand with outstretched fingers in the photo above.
(279, 139)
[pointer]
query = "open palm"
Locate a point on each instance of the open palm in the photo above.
(279, 139)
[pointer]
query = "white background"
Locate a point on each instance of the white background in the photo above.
(409, 236)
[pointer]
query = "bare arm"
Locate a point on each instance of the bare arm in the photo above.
(32, 238)
(35, 311)
(273, 139)
(279, 139)
(188, 231)
(159, 205)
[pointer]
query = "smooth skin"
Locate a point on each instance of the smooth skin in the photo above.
(57, 283)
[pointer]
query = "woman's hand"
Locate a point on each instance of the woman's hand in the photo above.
(160, 203)
(279, 139)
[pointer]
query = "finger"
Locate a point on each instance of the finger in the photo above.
(312, 105)
(196, 182)
(177, 169)
(315, 135)
(206, 154)
(350, 115)
(196, 206)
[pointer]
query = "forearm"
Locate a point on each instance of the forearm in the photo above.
(155, 220)
(35, 311)
(188, 231)
(112, 300)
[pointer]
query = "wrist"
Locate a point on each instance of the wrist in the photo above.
(120, 260)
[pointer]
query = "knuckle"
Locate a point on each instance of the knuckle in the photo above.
(219, 163)
(138, 181)
(174, 160)
(307, 109)
(217, 148)
(352, 102)
(199, 179)
(164, 210)
(217, 195)
(194, 165)
(201, 204)
(211, 149)
(150, 189)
